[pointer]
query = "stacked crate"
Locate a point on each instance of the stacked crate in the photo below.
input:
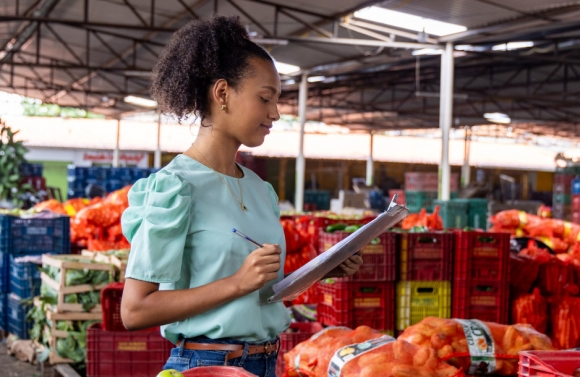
(109, 178)
(66, 311)
(561, 202)
(421, 189)
(20, 281)
(426, 268)
(32, 174)
(481, 284)
(461, 213)
(367, 297)
(575, 217)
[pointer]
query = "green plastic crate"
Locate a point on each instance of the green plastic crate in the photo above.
(417, 300)
(454, 213)
(476, 212)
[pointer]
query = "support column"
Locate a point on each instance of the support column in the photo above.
(370, 163)
(116, 151)
(282, 180)
(300, 161)
(157, 155)
(466, 169)
(445, 118)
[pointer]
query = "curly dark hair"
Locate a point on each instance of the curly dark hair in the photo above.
(199, 54)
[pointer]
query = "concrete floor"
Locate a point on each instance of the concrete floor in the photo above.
(12, 367)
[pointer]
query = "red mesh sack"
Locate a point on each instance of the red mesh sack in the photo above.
(565, 320)
(531, 309)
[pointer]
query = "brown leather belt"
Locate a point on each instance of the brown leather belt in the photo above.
(236, 350)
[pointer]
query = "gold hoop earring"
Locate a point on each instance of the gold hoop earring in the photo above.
(224, 108)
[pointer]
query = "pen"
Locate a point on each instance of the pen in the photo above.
(246, 237)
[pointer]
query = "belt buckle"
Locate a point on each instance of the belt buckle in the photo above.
(268, 349)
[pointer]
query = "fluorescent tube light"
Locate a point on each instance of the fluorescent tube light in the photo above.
(408, 21)
(512, 46)
(316, 78)
(497, 118)
(139, 101)
(428, 51)
(286, 69)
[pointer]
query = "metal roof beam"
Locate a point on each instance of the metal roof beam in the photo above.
(75, 23)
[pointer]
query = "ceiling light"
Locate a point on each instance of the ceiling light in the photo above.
(427, 51)
(512, 46)
(289, 82)
(408, 21)
(316, 78)
(497, 118)
(140, 101)
(470, 48)
(286, 69)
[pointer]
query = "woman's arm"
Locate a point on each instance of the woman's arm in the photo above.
(144, 305)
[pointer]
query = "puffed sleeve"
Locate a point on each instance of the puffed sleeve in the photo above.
(156, 225)
(273, 199)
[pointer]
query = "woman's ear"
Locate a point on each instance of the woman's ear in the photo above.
(219, 92)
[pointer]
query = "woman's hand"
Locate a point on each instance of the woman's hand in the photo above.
(346, 268)
(260, 267)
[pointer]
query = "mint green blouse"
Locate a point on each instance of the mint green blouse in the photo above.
(179, 223)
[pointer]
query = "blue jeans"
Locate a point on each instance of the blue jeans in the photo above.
(260, 364)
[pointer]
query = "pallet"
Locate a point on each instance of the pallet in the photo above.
(82, 262)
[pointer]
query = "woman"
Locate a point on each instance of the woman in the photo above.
(188, 273)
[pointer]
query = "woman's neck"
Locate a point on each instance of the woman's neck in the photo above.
(214, 149)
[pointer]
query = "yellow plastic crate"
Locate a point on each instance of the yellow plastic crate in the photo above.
(417, 300)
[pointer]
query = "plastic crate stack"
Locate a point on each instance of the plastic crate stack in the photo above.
(32, 174)
(20, 281)
(421, 190)
(317, 200)
(424, 289)
(368, 297)
(562, 200)
(109, 178)
(481, 284)
(461, 213)
(575, 217)
(112, 351)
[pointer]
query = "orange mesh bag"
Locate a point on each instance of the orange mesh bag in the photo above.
(311, 358)
(475, 346)
(531, 309)
(388, 357)
(565, 321)
(514, 219)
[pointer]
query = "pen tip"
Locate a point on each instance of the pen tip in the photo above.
(234, 230)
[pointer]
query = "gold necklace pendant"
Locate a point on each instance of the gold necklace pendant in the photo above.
(243, 207)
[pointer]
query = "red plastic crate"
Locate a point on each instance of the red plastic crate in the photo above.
(481, 299)
(380, 262)
(427, 256)
(125, 353)
(111, 303)
(217, 371)
(575, 216)
(482, 256)
(548, 363)
(318, 226)
(354, 304)
(576, 203)
(298, 332)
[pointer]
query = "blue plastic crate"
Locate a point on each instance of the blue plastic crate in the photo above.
(30, 170)
(16, 317)
(3, 311)
(113, 173)
(95, 172)
(77, 172)
(24, 279)
(4, 272)
(34, 236)
(139, 173)
(112, 185)
(576, 186)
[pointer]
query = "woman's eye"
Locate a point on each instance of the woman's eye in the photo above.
(265, 100)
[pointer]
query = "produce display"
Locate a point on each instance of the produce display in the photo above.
(96, 223)
(423, 220)
(475, 346)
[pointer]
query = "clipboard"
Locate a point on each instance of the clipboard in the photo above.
(300, 280)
